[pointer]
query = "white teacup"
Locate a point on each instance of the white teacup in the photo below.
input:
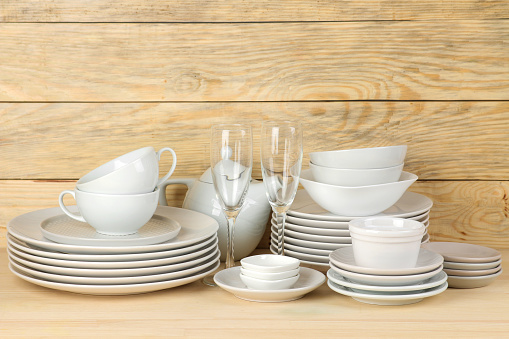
(133, 173)
(112, 214)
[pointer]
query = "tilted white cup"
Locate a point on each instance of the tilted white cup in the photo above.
(132, 173)
(112, 214)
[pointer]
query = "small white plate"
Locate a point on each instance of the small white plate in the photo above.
(304, 256)
(116, 289)
(472, 273)
(426, 261)
(386, 280)
(313, 237)
(229, 280)
(437, 279)
(313, 244)
(314, 230)
(409, 205)
(471, 266)
(463, 252)
(296, 248)
(64, 230)
(472, 282)
(377, 298)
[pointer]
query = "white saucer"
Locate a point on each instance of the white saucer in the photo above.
(437, 279)
(472, 282)
(386, 299)
(117, 289)
(314, 230)
(409, 205)
(195, 227)
(63, 229)
(426, 261)
(229, 280)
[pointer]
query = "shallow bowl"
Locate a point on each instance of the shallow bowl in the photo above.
(262, 284)
(270, 276)
(355, 177)
(375, 157)
(269, 263)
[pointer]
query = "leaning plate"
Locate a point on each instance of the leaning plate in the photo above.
(117, 289)
(463, 252)
(377, 298)
(229, 280)
(64, 230)
(409, 205)
(195, 227)
(426, 261)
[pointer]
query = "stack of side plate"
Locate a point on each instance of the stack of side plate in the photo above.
(156, 258)
(312, 233)
(387, 286)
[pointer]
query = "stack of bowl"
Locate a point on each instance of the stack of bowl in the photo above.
(385, 264)
(468, 265)
(269, 272)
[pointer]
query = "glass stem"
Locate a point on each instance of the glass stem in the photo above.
(230, 225)
(280, 232)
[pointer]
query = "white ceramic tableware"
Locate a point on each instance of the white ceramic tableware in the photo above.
(269, 263)
(303, 259)
(472, 266)
(263, 284)
(463, 252)
(313, 237)
(112, 214)
(136, 172)
(386, 243)
(472, 282)
(355, 177)
(472, 273)
(374, 157)
(270, 276)
(314, 230)
(308, 281)
(356, 201)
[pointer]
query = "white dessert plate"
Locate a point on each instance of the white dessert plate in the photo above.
(116, 272)
(112, 264)
(229, 280)
(314, 244)
(472, 273)
(303, 249)
(338, 225)
(64, 230)
(314, 237)
(472, 282)
(195, 227)
(303, 256)
(409, 205)
(386, 280)
(463, 252)
(437, 279)
(104, 280)
(387, 299)
(314, 230)
(426, 261)
(116, 289)
(471, 266)
(22, 246)
(273, 249)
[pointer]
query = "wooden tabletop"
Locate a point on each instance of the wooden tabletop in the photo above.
(197, 310)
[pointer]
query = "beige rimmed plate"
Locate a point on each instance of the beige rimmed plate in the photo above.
(303, 258)
(315, 238)
(471, 266)
(314, 230)
(463, 252)
(472, 282)
(472, 273)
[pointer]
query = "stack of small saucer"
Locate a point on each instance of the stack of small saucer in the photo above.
(468, 265)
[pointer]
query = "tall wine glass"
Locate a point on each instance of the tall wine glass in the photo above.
(231, 159)
(281, 160)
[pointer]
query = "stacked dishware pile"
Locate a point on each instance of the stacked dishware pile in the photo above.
(116, 240)
(385, 264)
(345, 185)
(468, 265)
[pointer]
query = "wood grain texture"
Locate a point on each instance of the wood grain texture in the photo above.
(247, 11)
(466, 211)
(372, 60)
(446, 140)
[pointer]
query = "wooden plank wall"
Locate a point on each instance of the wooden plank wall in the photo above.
(82, 82)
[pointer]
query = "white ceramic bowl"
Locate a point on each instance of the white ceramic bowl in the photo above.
(136, 172)
(386, 243)
(262, 284)
(270, 276)
(269, 263)
(356, 201)
(375, 157)
(355, 177)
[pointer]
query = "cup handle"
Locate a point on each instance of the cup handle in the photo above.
(173, 165)
(64, 208)
(162, 189)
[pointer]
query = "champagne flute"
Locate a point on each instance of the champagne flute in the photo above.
(281, 160)
(231, 159)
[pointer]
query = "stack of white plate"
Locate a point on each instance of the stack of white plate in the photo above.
(468, 265)
(177, 247)
(387, 286)
(312, 233)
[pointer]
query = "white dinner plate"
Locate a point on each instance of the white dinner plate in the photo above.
(313, 244)
(195, 227)
(409, 205)
(313, 237)
(386, 280)
(229, 280)
(472, 282)
(378, 298)
(116, 289)
(330, 232)
(303, 249)
(64, 230)
(426, 261)
(112, 264)
(22, 246)
(321, 264)
(104, 280)
(302, 255)
(437, 279)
